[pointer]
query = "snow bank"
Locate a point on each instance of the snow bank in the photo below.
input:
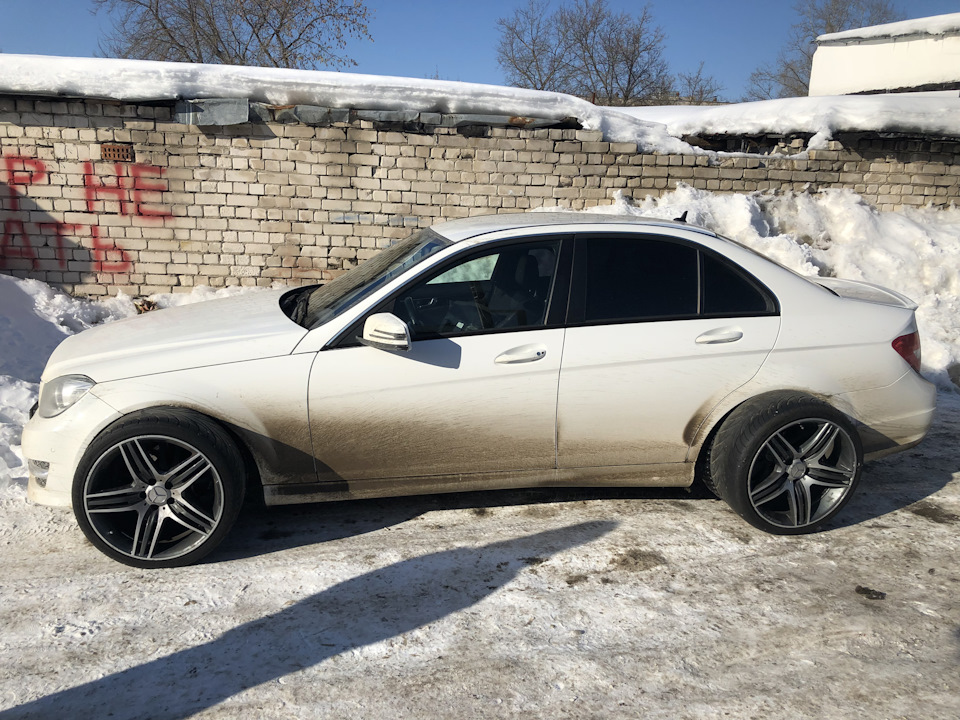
(933, 25)
(143, 80)
(820, 116)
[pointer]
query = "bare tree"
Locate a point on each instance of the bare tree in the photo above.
(789, 76)
(697, 88)
(532, 52)
(585, 49)
(271, 33)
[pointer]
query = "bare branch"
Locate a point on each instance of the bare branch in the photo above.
(789, 75)
(697, 88)
(277, 33)
(586, 49)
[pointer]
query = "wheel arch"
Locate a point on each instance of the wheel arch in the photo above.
(707, 429)
(251, 462)
(161, 479)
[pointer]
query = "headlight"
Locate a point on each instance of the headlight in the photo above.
(62, 392)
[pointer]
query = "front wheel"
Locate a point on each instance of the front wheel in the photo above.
(786, 462)
(159, 488)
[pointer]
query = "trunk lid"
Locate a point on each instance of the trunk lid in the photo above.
(864, 291)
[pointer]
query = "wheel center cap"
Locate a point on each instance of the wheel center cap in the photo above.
(158, 495)
(797, 469)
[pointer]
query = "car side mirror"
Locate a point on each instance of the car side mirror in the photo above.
(386, 331)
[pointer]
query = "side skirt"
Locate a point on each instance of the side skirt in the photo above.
(661, 475)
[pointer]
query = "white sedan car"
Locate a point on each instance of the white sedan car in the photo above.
(536, 349)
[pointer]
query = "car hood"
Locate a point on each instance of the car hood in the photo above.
(246, 327)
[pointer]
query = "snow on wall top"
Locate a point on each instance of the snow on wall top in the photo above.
(143, 80)
(652, 128)
(934, 25)
(820, 116)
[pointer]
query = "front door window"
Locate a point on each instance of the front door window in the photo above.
(503, 289)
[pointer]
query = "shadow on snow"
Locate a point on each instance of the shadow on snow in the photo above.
(361, 611)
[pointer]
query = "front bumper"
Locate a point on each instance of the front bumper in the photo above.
(61, 442)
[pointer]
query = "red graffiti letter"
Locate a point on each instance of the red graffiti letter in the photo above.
(9, 249)
(19, 176)
(60, 231)
(142, 187)
(104, 263)
(95, 188)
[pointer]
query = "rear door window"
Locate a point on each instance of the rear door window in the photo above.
(638, 279)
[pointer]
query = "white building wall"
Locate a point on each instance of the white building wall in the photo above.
(885, 64)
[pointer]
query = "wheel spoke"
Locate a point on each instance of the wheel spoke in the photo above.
(771, 488)
(121, 500)
(191, 518)
(818, 444)
(783, 452)
(829, 477)
(147, 532)
(801, 504)
(187, 472)
(138, 462)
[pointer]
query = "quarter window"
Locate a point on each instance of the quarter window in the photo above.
(726, 292)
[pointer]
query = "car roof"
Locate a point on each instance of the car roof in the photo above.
(457, 230)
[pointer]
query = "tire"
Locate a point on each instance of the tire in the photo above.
(786, 462)
(159, 488)
(704, 470)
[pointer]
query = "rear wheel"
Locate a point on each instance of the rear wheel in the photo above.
(786, 462)
(159, 488)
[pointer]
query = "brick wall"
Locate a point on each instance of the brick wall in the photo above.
(263, 202)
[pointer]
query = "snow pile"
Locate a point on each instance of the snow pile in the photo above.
(34, 319)
(143, 80)
(820, 116)
(933, 25)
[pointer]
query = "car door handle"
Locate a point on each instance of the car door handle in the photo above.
(522, 354)
(720, 335)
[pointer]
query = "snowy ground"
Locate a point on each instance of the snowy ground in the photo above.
(586, 604)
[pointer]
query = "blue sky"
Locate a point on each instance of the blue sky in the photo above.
(457, 40)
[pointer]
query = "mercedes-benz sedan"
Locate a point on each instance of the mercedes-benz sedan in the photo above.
(535, 349)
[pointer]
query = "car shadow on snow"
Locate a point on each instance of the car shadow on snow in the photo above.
(364, 610)
(262, 530)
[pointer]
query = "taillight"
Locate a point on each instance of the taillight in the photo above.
(908, 347)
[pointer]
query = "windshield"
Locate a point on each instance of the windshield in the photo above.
(345, 291)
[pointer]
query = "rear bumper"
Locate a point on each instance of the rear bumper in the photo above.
(893, 418)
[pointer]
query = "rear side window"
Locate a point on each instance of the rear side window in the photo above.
(632, 278)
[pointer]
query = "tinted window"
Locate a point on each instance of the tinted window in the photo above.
(501, 289)
(632, 278)
(725, 291)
